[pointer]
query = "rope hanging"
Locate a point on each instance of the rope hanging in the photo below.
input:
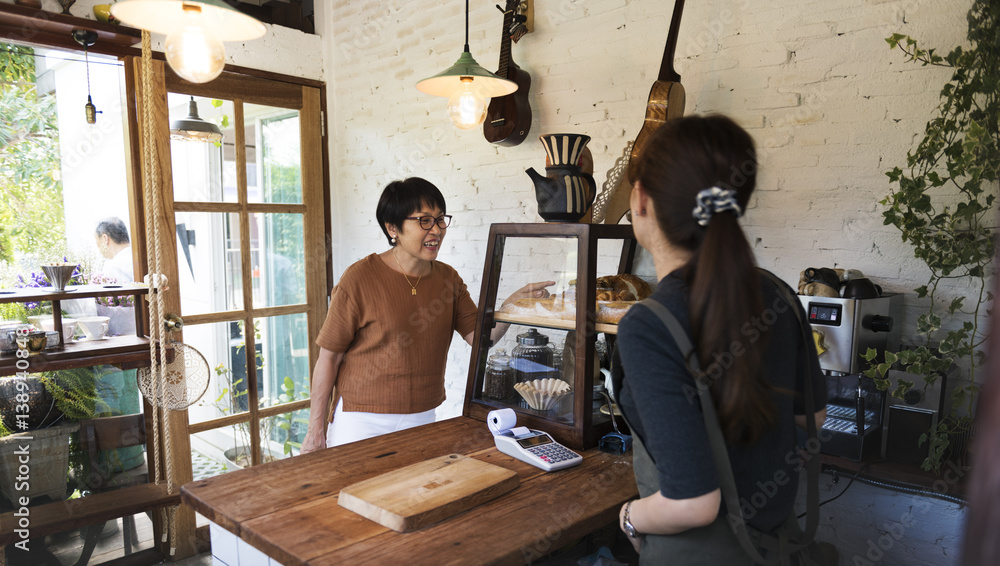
(151, 187)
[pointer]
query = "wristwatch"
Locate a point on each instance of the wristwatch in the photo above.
(627, 525)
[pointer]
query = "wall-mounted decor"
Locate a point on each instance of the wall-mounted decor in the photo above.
(508, 118)
(666, 101)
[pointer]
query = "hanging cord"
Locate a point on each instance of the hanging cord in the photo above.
(154, 263)
(86, 59)
(466, 25)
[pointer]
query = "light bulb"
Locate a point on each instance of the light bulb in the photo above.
(467, 107)
(193, 51)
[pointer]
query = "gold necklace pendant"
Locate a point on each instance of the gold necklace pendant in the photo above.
(413, 288)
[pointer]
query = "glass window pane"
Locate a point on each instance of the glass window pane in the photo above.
(283, 343)
(203, 171)
(278, 256)
(216, 452)
(50, 159)
(273, 154)
(526, 260)
(208, 262)
(224, 348)
(283, 434)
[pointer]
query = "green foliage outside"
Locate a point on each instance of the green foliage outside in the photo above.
(234, 397)
(943, 205)
(31, 205)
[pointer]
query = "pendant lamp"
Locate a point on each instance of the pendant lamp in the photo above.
(195, 30)
(468, 87)
(193, 128)
(86, 38)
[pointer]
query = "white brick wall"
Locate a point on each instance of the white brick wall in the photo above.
(815, 83)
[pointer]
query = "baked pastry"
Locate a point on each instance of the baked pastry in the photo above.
(621, 287)
(611, 312)
(606, 312)
(615, 294)
(549, 307)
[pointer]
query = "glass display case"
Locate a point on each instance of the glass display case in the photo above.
(547, 359)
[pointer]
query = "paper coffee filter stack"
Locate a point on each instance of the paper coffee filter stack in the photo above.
(543, 394)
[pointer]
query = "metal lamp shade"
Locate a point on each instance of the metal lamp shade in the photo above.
(163, 16)
(193, 128)
(449, 81)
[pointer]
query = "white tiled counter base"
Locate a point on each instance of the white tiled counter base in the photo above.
(230, 550)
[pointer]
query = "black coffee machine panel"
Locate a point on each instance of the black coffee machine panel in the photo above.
(844, 330)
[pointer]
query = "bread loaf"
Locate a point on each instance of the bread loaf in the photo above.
(622, 287)
(606, 312)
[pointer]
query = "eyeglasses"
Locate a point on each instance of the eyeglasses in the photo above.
(428, 222)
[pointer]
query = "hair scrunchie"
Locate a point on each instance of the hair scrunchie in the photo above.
(713, 200)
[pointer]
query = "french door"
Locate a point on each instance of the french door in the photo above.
(244, 248)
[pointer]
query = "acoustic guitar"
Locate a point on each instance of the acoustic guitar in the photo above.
(666, 101)
(508, 118)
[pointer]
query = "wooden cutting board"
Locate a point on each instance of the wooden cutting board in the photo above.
(424, 493)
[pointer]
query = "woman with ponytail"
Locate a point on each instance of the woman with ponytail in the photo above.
(693, 182)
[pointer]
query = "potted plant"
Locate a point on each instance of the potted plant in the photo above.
(62, 398)
(238, 456)
(943, 204)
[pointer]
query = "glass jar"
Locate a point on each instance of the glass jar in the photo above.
(499, 377)
(532, 357)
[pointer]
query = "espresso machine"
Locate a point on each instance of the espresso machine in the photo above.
(844, 330)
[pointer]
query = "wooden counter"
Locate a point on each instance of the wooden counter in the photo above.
(288, 509)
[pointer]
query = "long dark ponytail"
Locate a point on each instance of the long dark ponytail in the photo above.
(683, 158)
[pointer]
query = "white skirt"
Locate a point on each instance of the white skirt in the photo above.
(351, 426)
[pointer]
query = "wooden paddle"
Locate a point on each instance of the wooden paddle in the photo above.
(666, 101)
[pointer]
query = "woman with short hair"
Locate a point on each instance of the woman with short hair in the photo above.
(384, 343)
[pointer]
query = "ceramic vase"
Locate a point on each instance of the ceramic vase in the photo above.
(566, 192)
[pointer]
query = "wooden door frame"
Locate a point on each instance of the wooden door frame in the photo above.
(284, 92)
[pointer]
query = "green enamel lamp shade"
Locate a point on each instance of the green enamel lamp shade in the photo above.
(449, 81)
(164, 16)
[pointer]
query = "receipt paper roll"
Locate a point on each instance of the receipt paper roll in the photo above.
(501, 421)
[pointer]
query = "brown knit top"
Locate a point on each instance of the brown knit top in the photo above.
(395, 344)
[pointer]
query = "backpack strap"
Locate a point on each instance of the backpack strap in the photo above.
(717, 443)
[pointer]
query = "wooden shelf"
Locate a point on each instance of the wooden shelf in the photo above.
(126, 352)
(551, 322)
(41, 294)
(19, 24)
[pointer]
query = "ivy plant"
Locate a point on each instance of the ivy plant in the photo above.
(942, 202)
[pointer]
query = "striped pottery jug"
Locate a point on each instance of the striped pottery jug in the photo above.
(565, 193)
